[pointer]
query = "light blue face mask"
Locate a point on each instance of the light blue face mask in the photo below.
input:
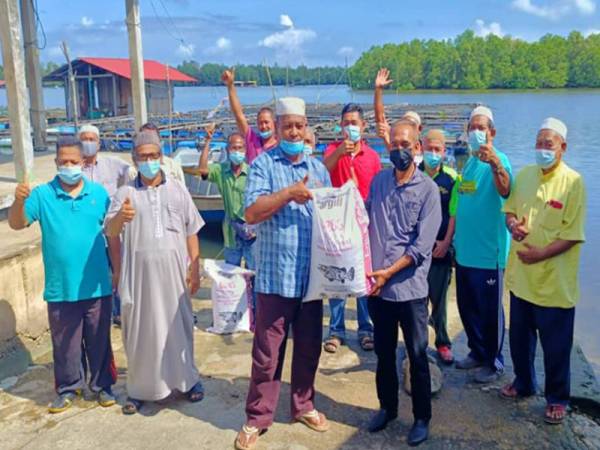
(149, 169)
(432, 160)
(265, 134)
(477, 138)
(69, 174)
(237, 158)
(545, 158)
(353, 132)
(308, 150)
(292, 148)
(89, 148)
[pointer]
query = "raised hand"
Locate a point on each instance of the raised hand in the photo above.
(22, 191)
(299, 193)
(487, 154)
(383, 79)
(228, 77)
(127, 211)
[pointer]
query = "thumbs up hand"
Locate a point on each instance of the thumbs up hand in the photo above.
(22, 191)
(127, 211)
(299, 192)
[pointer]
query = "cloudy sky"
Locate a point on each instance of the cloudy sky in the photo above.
(312, 32)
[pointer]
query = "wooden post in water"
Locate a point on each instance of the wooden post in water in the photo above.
(33, 74)
(72, 86)
(16, 89)
(136, 61)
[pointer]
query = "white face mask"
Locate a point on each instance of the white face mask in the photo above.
(89, 148)
(418, 159)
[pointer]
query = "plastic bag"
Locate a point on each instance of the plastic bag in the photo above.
(340, 249)
(230, 293)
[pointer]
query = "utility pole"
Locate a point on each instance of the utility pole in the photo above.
(72, 86)
(136, 61)
(33, 75)
(170, 101)
(16, 89)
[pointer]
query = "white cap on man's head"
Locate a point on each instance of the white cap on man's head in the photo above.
(88, 128)
(482, 111)
(413, 116)
(555, 125)
(290, 106)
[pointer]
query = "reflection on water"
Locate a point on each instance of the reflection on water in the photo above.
(517, 117)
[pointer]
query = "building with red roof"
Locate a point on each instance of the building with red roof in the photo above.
(103, 86)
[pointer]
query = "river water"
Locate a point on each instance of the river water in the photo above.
(517, 116)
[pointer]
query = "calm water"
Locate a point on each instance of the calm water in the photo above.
(517, 114)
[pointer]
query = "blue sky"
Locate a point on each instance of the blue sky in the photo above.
(312, 32)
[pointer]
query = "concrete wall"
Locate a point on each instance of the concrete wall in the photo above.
(22, 308)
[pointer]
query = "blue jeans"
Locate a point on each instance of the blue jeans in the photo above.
(337, 327)
(116, 304)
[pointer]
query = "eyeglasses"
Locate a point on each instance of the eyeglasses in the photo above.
(148, 157)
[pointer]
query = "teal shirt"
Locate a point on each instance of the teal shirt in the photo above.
(73, 246)
(481, 239)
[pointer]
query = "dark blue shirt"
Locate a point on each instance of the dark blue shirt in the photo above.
(404, 220)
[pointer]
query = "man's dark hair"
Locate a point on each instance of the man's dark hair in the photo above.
(352, 107)
(68, 141)
(266, 109)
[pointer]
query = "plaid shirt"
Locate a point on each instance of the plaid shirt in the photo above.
(284, 240)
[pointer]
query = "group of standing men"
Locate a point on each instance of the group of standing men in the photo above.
(423, 217)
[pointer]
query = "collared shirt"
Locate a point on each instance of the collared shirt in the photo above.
(254, 145)
(554, 208)
(284, 239)
(445, 178)
(481, 239)
(73, 245)
(404, 220)
(109, 172)
(232, 190)
(366, 164)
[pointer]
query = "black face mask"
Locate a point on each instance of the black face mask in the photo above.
(401, 158)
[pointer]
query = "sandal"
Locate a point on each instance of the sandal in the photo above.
(314, 420)
(555, 414)
(332, 344)
(367, 343)
(247, 438)
(196, 393)
(131, 406)
(509, 391)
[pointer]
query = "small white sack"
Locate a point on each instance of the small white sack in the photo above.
(340, 250)
(230, 294)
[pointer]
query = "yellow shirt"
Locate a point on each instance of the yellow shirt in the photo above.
(554, 207)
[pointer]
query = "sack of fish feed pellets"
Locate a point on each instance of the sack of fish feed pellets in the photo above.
(340, 250)
(230, 293)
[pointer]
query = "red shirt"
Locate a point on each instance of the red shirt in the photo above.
(366, 164)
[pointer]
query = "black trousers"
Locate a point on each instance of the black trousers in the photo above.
(555, 328)
(412, 317)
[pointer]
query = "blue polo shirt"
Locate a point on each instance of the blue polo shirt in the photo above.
(73, 246)
(481, 239)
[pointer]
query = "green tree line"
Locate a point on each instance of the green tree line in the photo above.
(209, 74)
(471, 62)
(46, 69)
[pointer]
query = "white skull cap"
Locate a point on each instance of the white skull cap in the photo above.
(290, 106)
(88, 128)
(482, 111)
(555, 125)
(412, 115)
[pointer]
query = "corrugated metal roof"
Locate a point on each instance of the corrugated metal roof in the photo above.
(153, 70)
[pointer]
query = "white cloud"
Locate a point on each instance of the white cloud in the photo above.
(186, 50)
(223, 43)
(555, 9)
(591, 31)
(286, 21)
(86, 21)
(482, 29)
(345, 51)
(55, 52)
(289, 40)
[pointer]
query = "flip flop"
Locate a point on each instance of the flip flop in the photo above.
(196, 393)
(332, 344)
(367, 343)
(314, 420)
(247, 438)
(131, 406)
(553, 408)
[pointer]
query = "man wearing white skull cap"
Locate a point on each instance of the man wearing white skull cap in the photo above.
(279, 201)
(545, 214)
